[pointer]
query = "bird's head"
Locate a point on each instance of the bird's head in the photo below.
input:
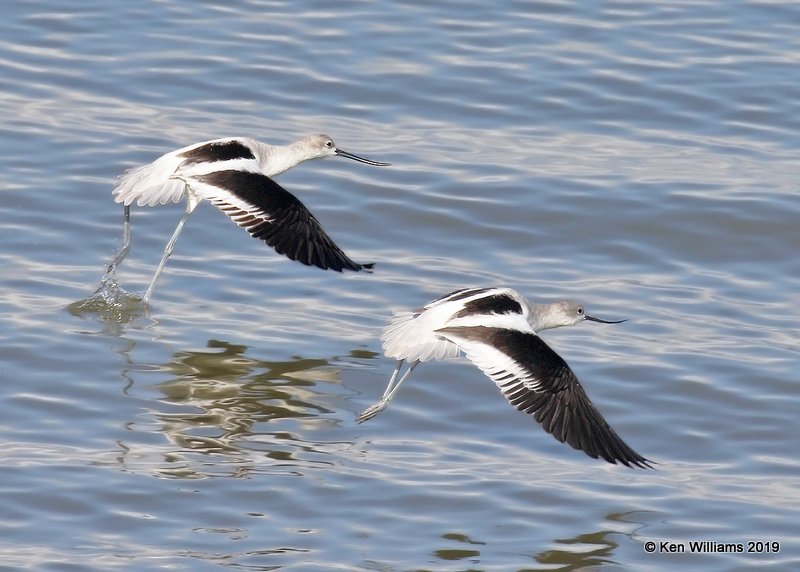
(319, 146)
(564, 313)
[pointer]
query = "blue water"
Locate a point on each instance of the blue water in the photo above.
(641, 158)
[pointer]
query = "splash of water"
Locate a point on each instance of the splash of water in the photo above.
(110, 302)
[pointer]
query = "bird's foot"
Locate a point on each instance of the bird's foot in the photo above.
(372, 411)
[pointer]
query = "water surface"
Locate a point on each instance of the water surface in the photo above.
(641, 158)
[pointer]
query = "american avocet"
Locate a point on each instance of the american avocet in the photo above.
(496, 328)
(235, 175)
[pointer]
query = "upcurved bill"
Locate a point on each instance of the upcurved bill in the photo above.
(593, 319)
(343, 153)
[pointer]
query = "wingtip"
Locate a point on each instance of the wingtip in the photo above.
(354, 267)
(645, 464)
(635, 463)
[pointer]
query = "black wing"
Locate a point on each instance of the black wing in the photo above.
(536, 380)
(271, 213)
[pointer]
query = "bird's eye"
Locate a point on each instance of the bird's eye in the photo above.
(580, 311)
(328, 143)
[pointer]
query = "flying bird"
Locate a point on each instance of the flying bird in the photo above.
(498, 331)
(235, 174)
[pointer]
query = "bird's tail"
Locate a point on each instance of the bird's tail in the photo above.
(408, 337)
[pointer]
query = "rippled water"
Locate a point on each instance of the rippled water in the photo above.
(639, 157)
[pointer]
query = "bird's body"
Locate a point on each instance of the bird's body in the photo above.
(496, 328)
(235, 175)
(413, 336)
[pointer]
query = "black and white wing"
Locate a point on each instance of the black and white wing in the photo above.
(271, 213)
(536, 380)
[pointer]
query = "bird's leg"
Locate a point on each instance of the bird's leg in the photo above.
(378, 406)
(126, 241)
(394, 376)
(391, 389)
(191, 204)
(389, 394)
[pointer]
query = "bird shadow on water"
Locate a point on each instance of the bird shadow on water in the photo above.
(224, 414)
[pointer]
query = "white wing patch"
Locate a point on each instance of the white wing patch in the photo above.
(242, 212)
(506, 372)
(492, 320)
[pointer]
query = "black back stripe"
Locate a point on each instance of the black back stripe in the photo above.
(461, 294)
(222, 151)
(456, 295)
(497, 304)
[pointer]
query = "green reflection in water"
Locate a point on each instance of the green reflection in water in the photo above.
(242, 411)
(588, 551)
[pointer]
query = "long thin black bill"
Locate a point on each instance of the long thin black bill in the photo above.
(342, 153)
(591, 319)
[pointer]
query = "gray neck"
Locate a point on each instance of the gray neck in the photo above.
(275, 159)
(542, 318)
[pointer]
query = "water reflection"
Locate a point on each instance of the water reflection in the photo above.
(469, 549)
(589, 550)
(234, 392)
(592, 549)
(223, 413)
